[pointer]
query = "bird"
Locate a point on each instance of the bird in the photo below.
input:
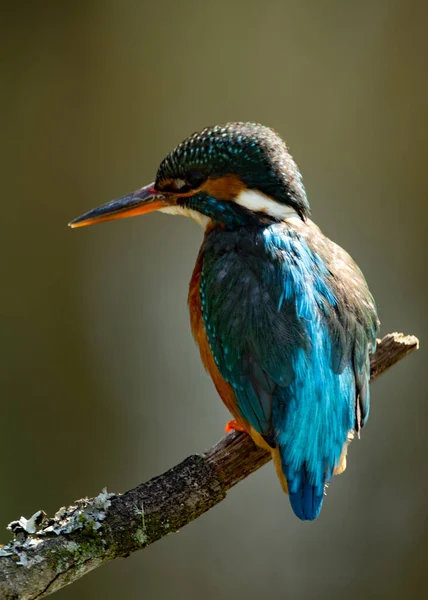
(283, 316)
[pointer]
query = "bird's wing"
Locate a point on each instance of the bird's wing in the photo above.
(251, 342)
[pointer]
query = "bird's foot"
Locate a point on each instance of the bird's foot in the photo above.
(233, 425)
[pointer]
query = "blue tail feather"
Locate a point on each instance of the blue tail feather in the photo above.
(307, 500)
(305, 486)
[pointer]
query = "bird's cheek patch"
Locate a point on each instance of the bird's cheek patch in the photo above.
(223, 188)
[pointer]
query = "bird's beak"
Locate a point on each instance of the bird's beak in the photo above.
(145, 200)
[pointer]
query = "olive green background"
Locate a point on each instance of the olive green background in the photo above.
(101, 383)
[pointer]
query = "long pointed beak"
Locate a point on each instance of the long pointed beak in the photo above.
(140, 202)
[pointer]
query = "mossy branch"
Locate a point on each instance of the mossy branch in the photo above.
(48, 554)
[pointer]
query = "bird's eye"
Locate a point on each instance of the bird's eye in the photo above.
(194, 179)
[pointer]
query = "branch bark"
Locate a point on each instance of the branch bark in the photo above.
(48, 554)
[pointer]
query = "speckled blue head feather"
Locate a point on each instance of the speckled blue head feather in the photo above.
(253, 152)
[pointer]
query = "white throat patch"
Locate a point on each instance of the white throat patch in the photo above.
(258, 202)
(203, 220)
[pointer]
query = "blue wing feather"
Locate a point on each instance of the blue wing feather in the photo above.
(291, 330)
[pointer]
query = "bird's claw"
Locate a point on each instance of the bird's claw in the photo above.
(233, 425)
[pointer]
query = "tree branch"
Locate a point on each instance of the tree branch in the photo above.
(48, 554)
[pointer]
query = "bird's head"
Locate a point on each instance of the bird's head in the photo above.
(230, 175)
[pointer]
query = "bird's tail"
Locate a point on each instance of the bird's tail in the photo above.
(305, 492)
(306, 498)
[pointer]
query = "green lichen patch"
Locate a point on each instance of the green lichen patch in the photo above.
(84, 517)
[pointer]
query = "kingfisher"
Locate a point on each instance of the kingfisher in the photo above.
(283, 317)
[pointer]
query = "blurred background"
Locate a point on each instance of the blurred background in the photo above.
(101, 383)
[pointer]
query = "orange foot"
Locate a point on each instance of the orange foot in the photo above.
(234, 426)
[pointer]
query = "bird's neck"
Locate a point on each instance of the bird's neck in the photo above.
(249, 209)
